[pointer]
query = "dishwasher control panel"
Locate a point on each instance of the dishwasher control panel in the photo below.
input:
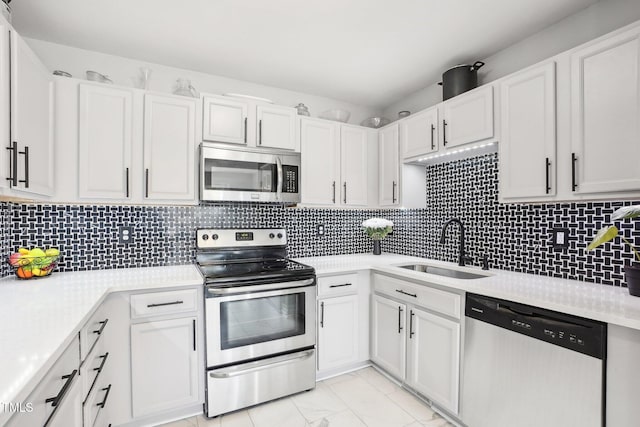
(575, 333)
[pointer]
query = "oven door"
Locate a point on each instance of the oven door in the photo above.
(248, 176)
(255, 321)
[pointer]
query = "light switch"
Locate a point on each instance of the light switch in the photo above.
(560, 238)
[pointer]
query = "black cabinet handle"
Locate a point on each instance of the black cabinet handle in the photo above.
(104, 360)
(56, 400)
(548, 184)
(126, 176)
(444, 132)
(103, 324)
(406, 293)
(322, 314)
(106, 396)
(245, 130)
(433, 129)
(161, 304)
(260, 132)
(334, 192)
(194, 334)
(393, 192)
(146, 183)
(339, 286)
(13, 164)
(411, 333)
(400, 310)
(345, 192)
(25, 181)
(574, 184)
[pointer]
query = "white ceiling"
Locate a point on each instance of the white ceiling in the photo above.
(367, 52)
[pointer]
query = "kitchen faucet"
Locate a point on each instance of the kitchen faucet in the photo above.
(462, 258)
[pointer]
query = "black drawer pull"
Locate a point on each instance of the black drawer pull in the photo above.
(339, 286)
(162, 304)
(406, 293)
(103, 324)
(104, 360)
(106, 396)
(56, 400)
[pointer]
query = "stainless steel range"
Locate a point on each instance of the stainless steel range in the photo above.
(260, 318)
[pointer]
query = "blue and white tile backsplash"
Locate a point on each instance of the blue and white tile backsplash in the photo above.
(516, 237)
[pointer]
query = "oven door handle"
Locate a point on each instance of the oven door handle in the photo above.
(260, 365)
(280, 177)
(259, 288)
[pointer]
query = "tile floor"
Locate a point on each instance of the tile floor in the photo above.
(364, 398)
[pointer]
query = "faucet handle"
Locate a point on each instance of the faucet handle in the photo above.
(485, 262)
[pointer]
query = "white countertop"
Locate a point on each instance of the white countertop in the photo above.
(599, 302)
(39, 317)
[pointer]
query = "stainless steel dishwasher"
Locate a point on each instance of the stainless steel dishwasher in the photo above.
(526, 366)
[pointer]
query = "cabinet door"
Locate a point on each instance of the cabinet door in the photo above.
(419, 133)
(32, 119)
(354, 164)
(468, 118)
(69, 414)
(320, 174)
(104, 151)
(434, 358)
(224, 120)
(5, 104)
(337, 332)
(388, 335)
(528, 137)
(163, 365)
(276, 127)
(605, 111)
(169, 147)
(388, 190)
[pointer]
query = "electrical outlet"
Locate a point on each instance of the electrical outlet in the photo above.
(320, 230)
(125, 235)
(560, 238)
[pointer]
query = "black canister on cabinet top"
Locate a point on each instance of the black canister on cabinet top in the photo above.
(460, 79)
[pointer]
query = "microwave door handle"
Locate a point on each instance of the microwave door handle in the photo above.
(279, 189)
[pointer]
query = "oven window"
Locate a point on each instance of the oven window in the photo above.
(257, 320)
(234, 175)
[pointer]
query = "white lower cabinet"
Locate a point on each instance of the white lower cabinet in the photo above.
(388, 336)
(70, 413)
(416, 345)
(164, 371)
(338, 331)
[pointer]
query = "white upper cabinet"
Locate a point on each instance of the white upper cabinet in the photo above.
(105, 122)
(468, 117)
(605, 115)
(224, 120)
(32, 118)
(320, 174)
(5, 104)
(354, 165)
(169, 147)
(389, 168)
(419, 133)
(276, 127)
(528, 133)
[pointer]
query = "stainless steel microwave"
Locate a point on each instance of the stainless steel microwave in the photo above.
(248, 175)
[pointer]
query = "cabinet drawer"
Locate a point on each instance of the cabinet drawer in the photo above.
(339, 284)
(447, 303)
(92, 331)
(56, 384)
(160, 303)
(93, 366)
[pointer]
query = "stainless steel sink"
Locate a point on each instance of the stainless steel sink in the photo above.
(442, 271)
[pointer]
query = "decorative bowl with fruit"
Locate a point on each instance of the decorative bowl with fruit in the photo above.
(35, 262)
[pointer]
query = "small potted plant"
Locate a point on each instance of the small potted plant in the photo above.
(377, 229)
(631, 271)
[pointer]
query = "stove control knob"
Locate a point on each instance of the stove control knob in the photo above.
(279, 235)
(271, 235)
(205, 237)
(214, 236)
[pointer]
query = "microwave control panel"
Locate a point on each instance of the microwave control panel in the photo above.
(290, 179)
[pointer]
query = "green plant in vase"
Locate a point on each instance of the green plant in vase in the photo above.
(606, 234)
(377, 229)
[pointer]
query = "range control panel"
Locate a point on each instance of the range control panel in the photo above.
(231, 237)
